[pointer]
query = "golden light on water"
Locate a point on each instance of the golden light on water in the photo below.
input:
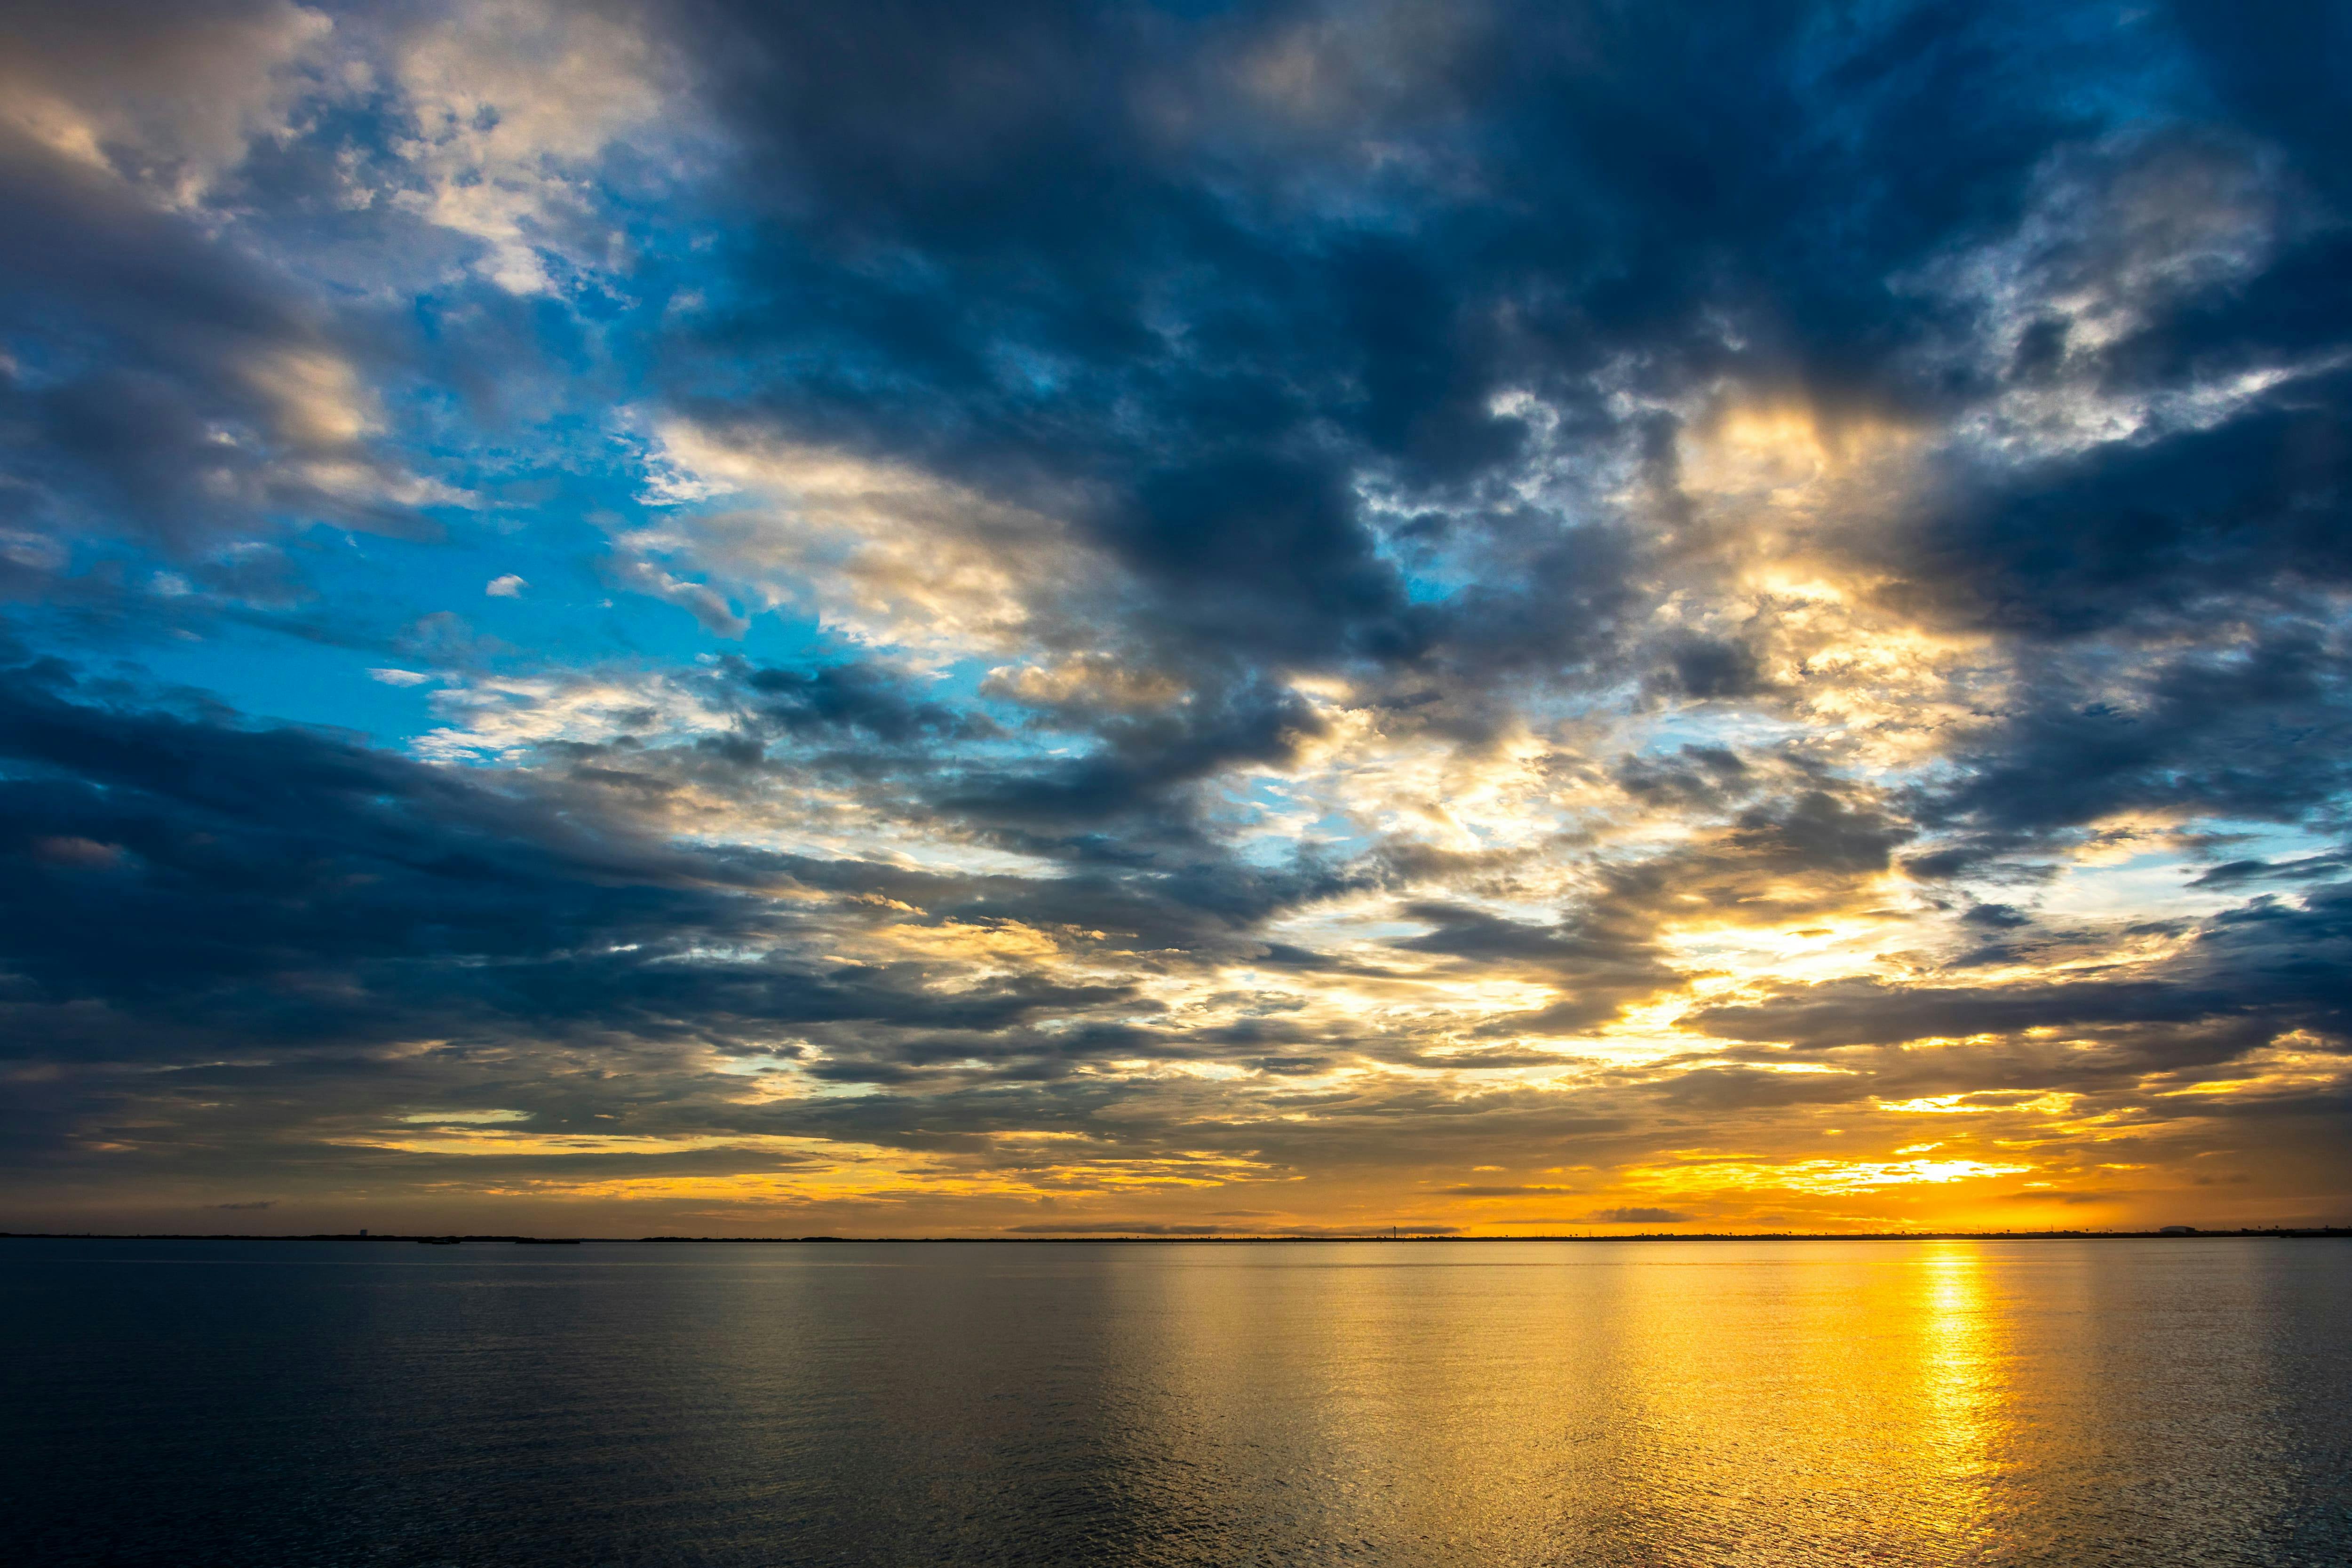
(1959, 1361)
(1704, 1403)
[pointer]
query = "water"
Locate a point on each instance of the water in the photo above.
(2051, 1402)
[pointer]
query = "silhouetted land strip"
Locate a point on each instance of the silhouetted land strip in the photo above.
(2281, 1233)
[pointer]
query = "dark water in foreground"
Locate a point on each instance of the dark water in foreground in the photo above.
(2064, 1403)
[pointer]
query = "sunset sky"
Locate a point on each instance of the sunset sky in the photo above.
(996, 620)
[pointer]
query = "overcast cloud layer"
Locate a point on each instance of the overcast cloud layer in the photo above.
(1012, 619)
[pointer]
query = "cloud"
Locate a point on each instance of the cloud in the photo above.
(181, 398)
(510, 104)
(164, 103)
(1640, 609)
(883, 552)
(704, 603)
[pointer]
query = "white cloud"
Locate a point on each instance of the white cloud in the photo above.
(631, 570)
(2117, 233)
(882, 552)
(512, 101)
(508, 717)
(509, 586)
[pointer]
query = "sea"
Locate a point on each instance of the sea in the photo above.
(2074, 1403)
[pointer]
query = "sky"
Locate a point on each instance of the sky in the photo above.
(1030, 619)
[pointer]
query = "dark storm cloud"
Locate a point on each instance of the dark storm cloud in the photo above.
(1140, 292)
(179, 883)
(2248, 515)
(1700, 777)
(1131, 798)
(1149, 256)
(1140, 764)
(2251, 973)
(2235, 873)
(1707, 666)
(856, 698)
(1143, 261)
(1733, 1089)
(2254, 733)
(1849, 1013)
(162, 386)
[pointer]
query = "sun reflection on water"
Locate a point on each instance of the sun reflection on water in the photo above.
(1960, 1397)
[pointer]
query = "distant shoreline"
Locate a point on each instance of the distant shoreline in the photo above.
(2281, 1233)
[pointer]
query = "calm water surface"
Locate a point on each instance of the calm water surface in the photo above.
(2064, 1403)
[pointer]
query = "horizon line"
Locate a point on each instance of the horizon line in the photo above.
(2182, 1233)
